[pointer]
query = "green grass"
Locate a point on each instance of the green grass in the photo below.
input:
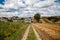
(31, 35)
(12, 30)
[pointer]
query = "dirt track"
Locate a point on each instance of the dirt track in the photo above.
(26, 33)
(36, 33)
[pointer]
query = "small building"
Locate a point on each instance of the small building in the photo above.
(3, 19)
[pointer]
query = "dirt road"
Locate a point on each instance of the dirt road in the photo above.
(25, 36)
(36, 33)
(26, 33)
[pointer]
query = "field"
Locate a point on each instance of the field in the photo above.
(12, 30)
(47, 30)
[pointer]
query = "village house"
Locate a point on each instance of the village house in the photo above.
(28, 20)
(3, 19)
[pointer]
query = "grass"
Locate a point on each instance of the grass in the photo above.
(31, 35)
(12, 30)
(46, 20)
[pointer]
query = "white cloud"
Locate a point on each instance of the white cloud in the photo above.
(7, 14)
(30, 7)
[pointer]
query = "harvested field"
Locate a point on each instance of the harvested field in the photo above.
(51, 29)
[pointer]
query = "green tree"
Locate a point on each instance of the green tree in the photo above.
(37, 17)
(15, 17)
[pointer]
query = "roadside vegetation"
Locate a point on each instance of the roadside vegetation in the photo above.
(12, 30)
(31, 35)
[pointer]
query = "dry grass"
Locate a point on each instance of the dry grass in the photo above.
(52, 29)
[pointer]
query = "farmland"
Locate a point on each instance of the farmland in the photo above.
(48, 28)
(48, 31)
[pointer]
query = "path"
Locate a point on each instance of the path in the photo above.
(26, 34)
(37, 35)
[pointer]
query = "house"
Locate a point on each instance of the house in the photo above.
(27, 20)
(3, 19)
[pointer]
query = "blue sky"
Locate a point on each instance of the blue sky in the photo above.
(2, 2)
(26, 8)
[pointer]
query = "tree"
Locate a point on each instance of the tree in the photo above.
(15, 17)
(37, 17)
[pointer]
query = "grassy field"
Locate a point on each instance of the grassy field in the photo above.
(12, 30)
(31, 35)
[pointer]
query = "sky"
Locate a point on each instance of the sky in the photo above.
(28, 8)
(2, 2)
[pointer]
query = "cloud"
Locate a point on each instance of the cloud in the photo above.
(26, 8)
